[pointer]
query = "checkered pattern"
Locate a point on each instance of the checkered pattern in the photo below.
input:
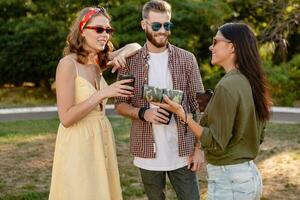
(186, 77)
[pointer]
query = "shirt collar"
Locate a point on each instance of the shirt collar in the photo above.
(145, 52)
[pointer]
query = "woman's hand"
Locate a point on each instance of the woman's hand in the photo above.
(117, 62)
(117, 89)
(171, 106)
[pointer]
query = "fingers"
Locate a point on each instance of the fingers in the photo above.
(126, 87)
(190, 161)
(199, 165)
(117, 89)
(162, 105)
(114, 69)
(196, 166)
(124, 81)
(162, 118)
(173, 104)
(196, 161)
(125, 90)
(121, 61)
(167, 99)
(118, 62)
(164, 112)
(159, 119)
(109, 63)
(152, 115)
(117, 65)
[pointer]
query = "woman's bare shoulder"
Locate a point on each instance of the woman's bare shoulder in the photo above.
(66, 65)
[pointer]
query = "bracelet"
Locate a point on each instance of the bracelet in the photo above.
(142, 113)
(185, 118)
(185, 122)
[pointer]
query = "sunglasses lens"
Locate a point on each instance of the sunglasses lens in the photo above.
(101, 30)
(214, 42)
(168, 26)
(109, 31)
(156, 26)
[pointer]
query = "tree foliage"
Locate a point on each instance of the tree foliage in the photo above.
(33, 33)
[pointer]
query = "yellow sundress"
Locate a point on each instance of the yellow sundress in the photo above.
(85, 163)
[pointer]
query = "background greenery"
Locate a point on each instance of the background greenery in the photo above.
(33, 32)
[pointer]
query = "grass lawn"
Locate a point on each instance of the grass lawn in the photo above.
(25, 96)
(26, 153)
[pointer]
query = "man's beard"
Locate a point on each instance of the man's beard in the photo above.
(152, 40)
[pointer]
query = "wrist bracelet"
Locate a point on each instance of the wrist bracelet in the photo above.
(142, 113)
(185, 118)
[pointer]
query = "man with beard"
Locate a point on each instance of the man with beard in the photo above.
(160, 149)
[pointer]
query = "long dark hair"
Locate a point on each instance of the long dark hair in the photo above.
(249, 63)
(75, 41)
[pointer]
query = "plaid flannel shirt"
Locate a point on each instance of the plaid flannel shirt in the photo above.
(185, 76)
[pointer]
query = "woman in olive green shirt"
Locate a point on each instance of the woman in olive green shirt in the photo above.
(233, 123)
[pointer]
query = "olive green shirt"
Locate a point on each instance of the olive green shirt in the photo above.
(232, 131)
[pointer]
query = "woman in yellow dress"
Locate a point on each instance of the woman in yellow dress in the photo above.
(85, 163)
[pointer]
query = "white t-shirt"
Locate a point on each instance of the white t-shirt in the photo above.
(165, 136)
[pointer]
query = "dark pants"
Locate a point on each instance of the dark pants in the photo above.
(183, 180)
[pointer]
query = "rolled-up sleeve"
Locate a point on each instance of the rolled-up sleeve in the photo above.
(221, 114)
(195, 85)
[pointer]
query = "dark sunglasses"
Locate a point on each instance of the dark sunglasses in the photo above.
(215, 41)
(100, 29)
(156, 26)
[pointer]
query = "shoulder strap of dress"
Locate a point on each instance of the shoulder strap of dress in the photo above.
(75, 63)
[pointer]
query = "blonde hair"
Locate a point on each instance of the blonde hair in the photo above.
(156, 6)
(75, 41)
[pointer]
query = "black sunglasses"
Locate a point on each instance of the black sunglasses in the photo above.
(100, 29)
(156, 26)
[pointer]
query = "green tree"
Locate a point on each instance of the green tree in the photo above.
(32, 37)
(275, 22)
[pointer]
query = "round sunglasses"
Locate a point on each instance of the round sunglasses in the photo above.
(100, 29)
(156, 26)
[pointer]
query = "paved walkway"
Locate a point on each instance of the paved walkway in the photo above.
(279, 114)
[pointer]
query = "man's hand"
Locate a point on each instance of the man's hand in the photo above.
(196, 160)
(155, 116)
(117, 62)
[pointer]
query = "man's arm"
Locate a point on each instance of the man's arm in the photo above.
(195, 85)
(118, 58)
(128, 110)
(153, 115)
(126, 51)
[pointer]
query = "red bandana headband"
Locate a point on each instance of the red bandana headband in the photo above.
(86, 18)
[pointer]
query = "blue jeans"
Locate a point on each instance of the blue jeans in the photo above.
(234, 182)
(183, 180)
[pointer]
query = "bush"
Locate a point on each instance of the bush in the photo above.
(284, 81)
(30, 50)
